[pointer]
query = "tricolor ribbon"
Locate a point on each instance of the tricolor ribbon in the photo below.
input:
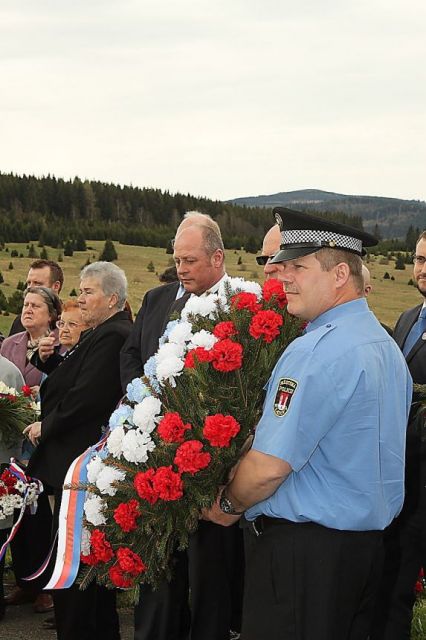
(16, 470)
(70, 523)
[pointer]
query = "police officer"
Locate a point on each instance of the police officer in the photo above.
(325, 475)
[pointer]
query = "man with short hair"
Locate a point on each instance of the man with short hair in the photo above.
(405, 539)
(149, 322)
(210, 566)
(325, 474)
(42, 273)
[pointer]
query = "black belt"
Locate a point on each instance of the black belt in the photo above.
(263, 523)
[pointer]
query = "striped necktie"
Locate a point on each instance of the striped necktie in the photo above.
(416, 332)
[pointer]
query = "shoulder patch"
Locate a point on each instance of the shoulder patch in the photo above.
(285, 391)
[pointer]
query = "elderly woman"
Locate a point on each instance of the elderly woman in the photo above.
(76, 401)
(40, 312)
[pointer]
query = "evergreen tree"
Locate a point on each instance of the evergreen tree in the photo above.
(400, 262)
(151, 267)
(109, 253)
(14, 253)
(43, 254)
(15, 302)
(73, 292)
(60, 257)
(3, 301)
(68, 248)
(21, 286)
(32, 253)
(1, 278)
(10, 267)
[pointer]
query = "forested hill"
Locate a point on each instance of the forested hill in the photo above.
(393, 216)
(52, 211)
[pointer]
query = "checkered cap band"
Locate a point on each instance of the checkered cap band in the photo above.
(325, 238)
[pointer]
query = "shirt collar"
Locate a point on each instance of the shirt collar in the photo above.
(341, 310)
(215, 287)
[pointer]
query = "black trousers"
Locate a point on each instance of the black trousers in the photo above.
(84, 615)
(405, 554)
(213, 570)
(307, 582)
(3, 537)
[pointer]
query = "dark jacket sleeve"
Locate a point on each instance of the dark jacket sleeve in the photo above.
(131, 364)
(51, 363)
(84, 401)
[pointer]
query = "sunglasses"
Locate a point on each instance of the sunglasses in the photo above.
(262, 260)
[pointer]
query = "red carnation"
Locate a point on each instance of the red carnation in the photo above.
(129, 561)
(172, 428)
(245, 300)
(265, 324)
(189, 457)
(100, 546)
(167, 484)
(219, 429)
(126, 515)
(274, 289)
(90, 559)
(26, 390)
(118, 578)
(199, 354)
(225, 330)
(9, 479)
(143, 484)
(227, 355)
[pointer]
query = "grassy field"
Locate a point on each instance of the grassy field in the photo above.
(388, 299)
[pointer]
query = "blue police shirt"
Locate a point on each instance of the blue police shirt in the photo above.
(336, 410)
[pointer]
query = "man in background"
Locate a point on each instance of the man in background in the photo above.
(405, 539)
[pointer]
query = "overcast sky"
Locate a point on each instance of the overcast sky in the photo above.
(221, 98)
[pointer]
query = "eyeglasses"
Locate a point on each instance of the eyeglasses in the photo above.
(262, 260)
(64, 323)
(420, 260)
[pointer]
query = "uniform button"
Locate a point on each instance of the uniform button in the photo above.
(328, 326)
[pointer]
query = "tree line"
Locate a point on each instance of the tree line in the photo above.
(57, 212)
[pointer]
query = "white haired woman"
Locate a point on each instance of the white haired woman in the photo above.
(76, 401)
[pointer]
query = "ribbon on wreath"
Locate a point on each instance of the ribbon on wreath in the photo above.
(16, 470)
(70, 525)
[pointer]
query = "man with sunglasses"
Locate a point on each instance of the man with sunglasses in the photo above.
(405, 539)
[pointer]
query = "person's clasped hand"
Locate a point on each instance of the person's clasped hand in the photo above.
(46, 347)
(33, 432)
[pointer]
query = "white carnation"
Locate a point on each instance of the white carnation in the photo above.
(94, 468)
(115, 440)
(93, 508)
(204, 339)
(107, 476)
(137, 445)
(239, 284)
(85, 541)
(169, 369)
(146, 414)
(170, 349)
(201, 306)
(181, 333)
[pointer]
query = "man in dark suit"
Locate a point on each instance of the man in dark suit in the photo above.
(209, 566)
(405, 539)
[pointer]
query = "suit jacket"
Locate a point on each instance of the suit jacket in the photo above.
(78, 398)
(416, 445)
(147, 329)
(14, 349)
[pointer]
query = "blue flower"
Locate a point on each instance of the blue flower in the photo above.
(123, 414)
(137, 390)
(150, 370)
(170, 325)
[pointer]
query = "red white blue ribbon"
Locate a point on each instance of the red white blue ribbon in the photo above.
(67, 561)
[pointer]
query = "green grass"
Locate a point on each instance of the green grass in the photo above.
(388, 298)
